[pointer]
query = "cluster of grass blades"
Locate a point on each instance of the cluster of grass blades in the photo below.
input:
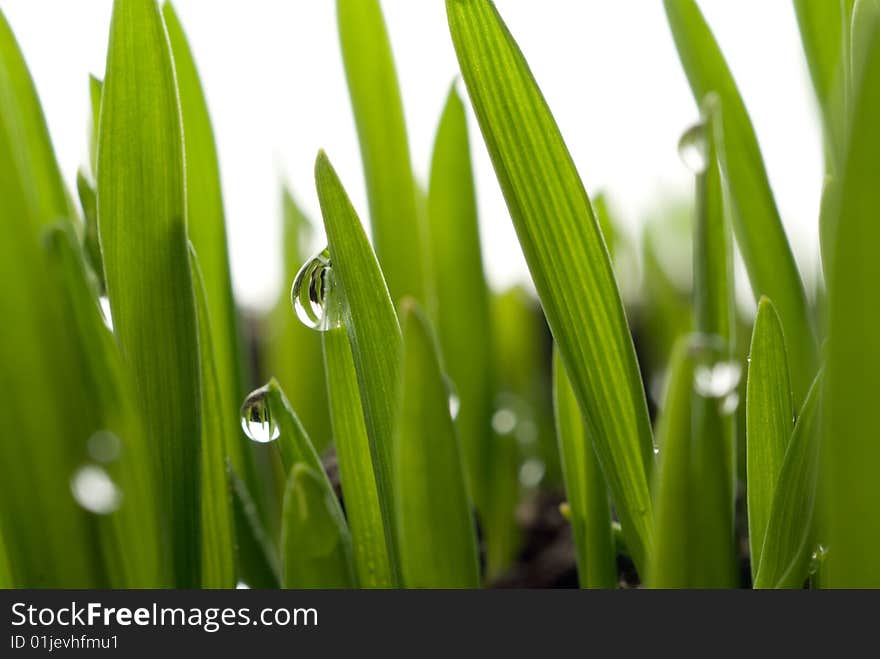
(410, 412)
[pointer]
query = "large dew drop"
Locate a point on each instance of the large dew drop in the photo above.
(314, 300)
(256, 419)
(692, 149)
(94, 490)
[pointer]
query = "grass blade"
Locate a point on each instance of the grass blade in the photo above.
(27, 136)
(373, 331)
(5, 573)
(585, 488)
(714, 301)
(785, 555)
(359, 489)
(264, 568)
(672, 560)
(218, 543)
(694, 533)
(315, 542)
(769, 421)
(96, 88)
(566, 255)
(851, 451)
(398, 229)
(759, 233)
(206, 229)
(438, 545)
(46, 415)
(463, 322)
(142, 223)
(824, 32)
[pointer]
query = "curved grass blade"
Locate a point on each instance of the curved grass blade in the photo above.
(463, 322)
(714, 301)
(207, 231)
(769, 422)
(27, 136)
(694, 542)
(218, 543)
(315, 542)
(142, 224)
(359, 490)
(585, 488)
(373, 331)
(566, 255)
(293, 443)
(438, 545)
(785, 555)
(129, 536)
(756, 222)
(263, 570)
(88, 199)
(293, 351)
(851, 453)
(398, 228)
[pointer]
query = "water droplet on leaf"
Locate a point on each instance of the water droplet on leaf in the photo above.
(94, 490)
(313, 294)
(817, 558)
(692, 149)
(256, 419)
(106, 314)
(454, 400)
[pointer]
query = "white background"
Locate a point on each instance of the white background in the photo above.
(273, 76)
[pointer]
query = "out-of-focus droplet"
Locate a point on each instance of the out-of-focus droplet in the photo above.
(256, 418)
(693, 150)
(106, 314)
(103, 446)
(717, 380)
(504, 421)
(94, 490)
(241, 585)
(313, 294)
(454, 400)
(531, 473)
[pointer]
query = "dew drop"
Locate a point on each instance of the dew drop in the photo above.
(531, 473)
(454, 400)
(103, 446)
(313, 297)
(817, 558)
(729, 404)
(656, 450)
(241, 585)
(692, 149)
(94, 490)
(106, 314)
(504, 421)
(256, 420)
(717, 380)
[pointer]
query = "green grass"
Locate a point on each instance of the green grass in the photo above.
(460, 418)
